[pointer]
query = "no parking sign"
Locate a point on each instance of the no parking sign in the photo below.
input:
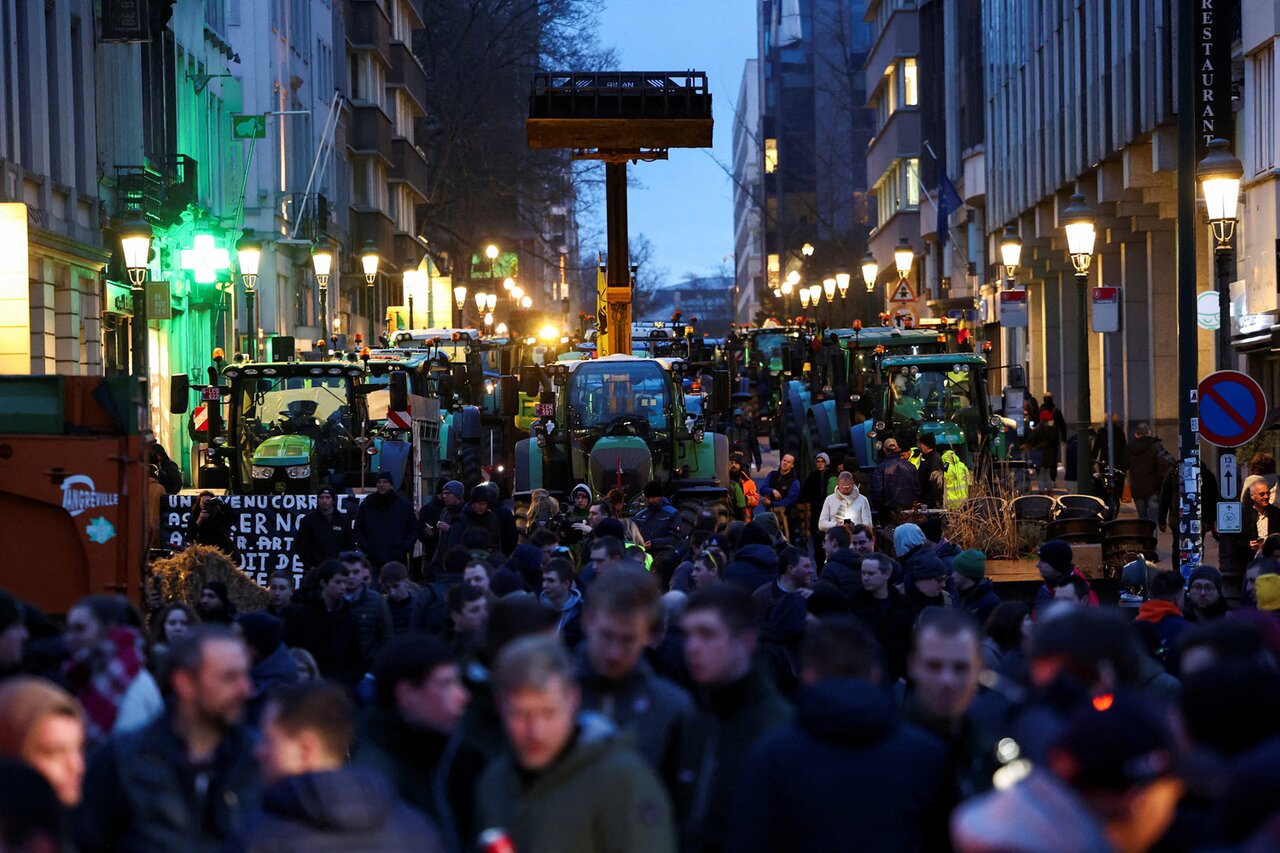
(1232, 408)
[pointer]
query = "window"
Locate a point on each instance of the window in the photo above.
(775, 271)
(910, 87)
(912, 178)
(770, 156)
(1262, 143)
(898, 189)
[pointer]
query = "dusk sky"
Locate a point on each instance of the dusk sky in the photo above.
(684, 205)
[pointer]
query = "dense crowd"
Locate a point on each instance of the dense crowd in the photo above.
(605, 677)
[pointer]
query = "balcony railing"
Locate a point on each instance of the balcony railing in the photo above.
(159, 190)
(313, 211)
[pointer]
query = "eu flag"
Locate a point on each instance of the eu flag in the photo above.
(949, 202)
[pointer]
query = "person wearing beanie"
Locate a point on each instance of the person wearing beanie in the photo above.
(42, 725)
(579, 503)
(755, 562)
(324, 532)
(272, 665)
(813, 493)
(1043, 450)
(976, 593)
(1055, 566)
(386, 526)
(215, 604)
(659, 524)
(527, 560)
(1205, 601)
(508, 533)
(437, 516)
(911, 547)
(926, 583)
(478, 514)
(1268, 591)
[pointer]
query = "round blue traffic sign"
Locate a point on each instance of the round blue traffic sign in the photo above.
(1232, 408)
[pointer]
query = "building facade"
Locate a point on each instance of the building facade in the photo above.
(748, 248)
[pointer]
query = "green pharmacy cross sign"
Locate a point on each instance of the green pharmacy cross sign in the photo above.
(205, 259)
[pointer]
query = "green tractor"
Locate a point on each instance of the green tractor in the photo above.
(618, 422)
(289, 427)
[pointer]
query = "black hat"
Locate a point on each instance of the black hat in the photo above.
(610, 527)
(1057, 553)
(928, 567)
(1113, 742)
(653, 489)
(384, 475)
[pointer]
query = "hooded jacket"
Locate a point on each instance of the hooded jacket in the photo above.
(597, 795)
(752, 566)
(846, 738)
(386, 528)
(838, 508)
(844, 569)
(660, 526)
(569, 628)
(342, 810)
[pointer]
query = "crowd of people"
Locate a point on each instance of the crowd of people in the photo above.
(580, 678)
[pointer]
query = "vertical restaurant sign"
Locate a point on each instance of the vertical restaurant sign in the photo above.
(1213, 32)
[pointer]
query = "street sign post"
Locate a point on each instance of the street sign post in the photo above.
(1232, 408)
(1228, 475)
(1013, 309)
(1106, 309)
(1229, 517)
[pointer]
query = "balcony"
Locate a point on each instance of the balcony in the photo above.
(900, 37)
(369, 224)
(371, 131)
(407, 74)
(898, 139)
(159, 190)
(313, 209)
(368, 27)
(408, 166)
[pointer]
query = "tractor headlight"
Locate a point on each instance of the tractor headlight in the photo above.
(262, 472)
(298, 472)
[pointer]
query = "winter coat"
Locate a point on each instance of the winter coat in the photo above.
(350, 809)
(386, 528)
(401, 614)
(814, 491)
(655, 712)
(980, 600)
(660, 526)
(736, 715)
(752, 565)
(957, 479)
(1039, 814)
(508, 533)
(763, 600)
(333, 638)
(569, 628)
(1122, 448)
(275, 670)
(373, 624)
(778, 650)
(599, 796)
(895, 484)
(889, 621)
(838, 508)
(1149, 464)
(846, 737)
(844, 569)
(434, 772)
(1044, 446)
(1160, 624)
(214, 531)
(933, 478)
(788, 485)
(468, 519)
(320, 538)
(429, 612)
(141, 793)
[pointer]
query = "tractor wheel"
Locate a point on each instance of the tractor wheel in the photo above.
(469, 463)
(690, 507)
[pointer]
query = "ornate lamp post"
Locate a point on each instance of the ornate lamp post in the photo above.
(322, 263)
(1220, 173)
(135, 241)
(1079, 222)
(870, 272)
(248, 256)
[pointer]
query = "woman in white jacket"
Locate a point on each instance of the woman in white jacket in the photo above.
(845, 504)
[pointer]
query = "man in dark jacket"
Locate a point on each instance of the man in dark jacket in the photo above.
(1260, 518)
(659, 522)
(755, 562)
(273, 666)
(444, 507)
(508, 533)
(976, 594)
(846, 737)
(1160, 621)
(795, 573)
(932, 472)
(843, 567)
(740, 703)
(313, 801)
(476, 516)
(569, 783)
(368, 608)
(1149, 464)
(325, 532)
(411, 735)
(323, 625)
(884, 612)
(895, 484)
(926, 585)
(617, 682)
(186, 780)
(386, 526)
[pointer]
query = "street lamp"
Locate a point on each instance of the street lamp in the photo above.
(870, 272)
(842, 282)
(1010, 253)
(490, 301)
(480, 300)
(135, 243)
(903, 255)
(807, 250)
(322, 263)
(829, 289)
(508, 283)
(788, 287)
(369, 261)
(1220, 173)
(526, 302)
(1079, 223)
(249, 255)
(460, 295)
(516, 293)
(804, 297)
(412, 281)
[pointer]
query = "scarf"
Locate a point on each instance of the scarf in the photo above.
(101, 676)
(1156, 610)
